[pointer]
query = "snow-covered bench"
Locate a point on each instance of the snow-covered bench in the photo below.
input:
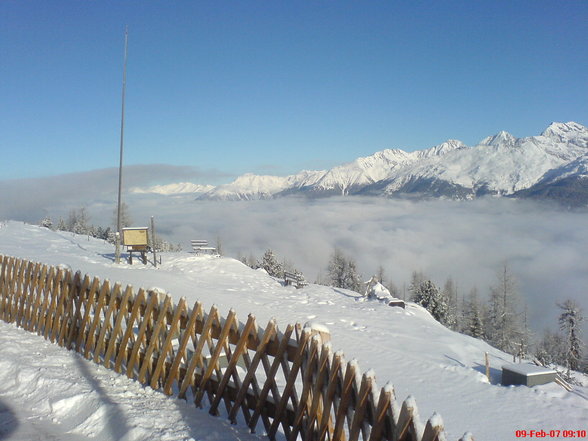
(295, 279)
(201, 246)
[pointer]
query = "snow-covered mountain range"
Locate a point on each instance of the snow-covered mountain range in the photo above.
(552, 165)
(176, 188)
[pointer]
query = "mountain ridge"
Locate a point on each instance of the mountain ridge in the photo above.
(499, 165)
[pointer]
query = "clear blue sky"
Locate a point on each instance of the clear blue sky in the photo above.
(276, 86)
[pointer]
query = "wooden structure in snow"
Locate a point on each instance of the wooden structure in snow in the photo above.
(526, 374)
(397, 302)
(201, 246)
(294, 279)
(137, 241)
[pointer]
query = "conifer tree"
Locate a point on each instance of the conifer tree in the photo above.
(270, 263)
(569, 322)
(502, 320)
(343, 272)
(47, 222)
(78, 222)
(551, 348)
(429, 297)
(449, 294)
(472, 316)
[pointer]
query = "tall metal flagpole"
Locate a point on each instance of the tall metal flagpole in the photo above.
(122, 131)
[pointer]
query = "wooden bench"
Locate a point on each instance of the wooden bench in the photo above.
(294, 279)
(201, 246)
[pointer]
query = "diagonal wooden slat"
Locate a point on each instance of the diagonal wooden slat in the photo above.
(434, 430)
(288, 389)
(345, 399)
(105, 324)
(167, 345)
(141, 337)
(270, 382)
(123, 349)
(7, 267)
(79, 292)
(3, 280)
(24, 299)
(230, 322)
(381, 427)
(87, 304)
(147, 361)
(360, 408)
(89, 345)
(117, 329)
(181, 352)
(58, 312)
(54, 295)
(196, 359)
(270, 332)
(16, 290)
(308, 368)
(405, 428)
(335, 378)
(33, 288)
(229, 371)
(69, 304)
(318, 380)
(40, 300)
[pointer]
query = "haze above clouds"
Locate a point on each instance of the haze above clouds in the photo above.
(468, 240)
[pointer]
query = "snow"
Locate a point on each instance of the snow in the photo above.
(528, 369)
(47, 392)
(315, 326)
(174, 189)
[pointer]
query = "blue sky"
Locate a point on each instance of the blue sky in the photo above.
(228, 87)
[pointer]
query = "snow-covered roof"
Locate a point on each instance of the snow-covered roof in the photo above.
(528, 369)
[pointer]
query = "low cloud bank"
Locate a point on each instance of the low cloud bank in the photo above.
(469, 241)
(32, 199)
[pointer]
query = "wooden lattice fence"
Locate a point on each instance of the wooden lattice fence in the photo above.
(288, 383)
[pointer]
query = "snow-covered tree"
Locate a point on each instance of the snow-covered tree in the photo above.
(219, 246)
(472, 314)
(380, 274)
(502, 322)
(417, 278)
(270, 263)
(450, 296)
(525, 337)
(78, 222)
(163, 246)
(343, 272)
(551, 349)
(47, 222)
(61, 225)
(429, 297)
(569, 322)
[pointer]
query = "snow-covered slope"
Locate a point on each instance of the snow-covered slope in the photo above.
(499, 165)
(443, 370)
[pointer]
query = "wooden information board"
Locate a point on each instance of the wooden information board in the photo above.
(135, 237)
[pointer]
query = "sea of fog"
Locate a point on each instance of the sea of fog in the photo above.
(544, 245)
